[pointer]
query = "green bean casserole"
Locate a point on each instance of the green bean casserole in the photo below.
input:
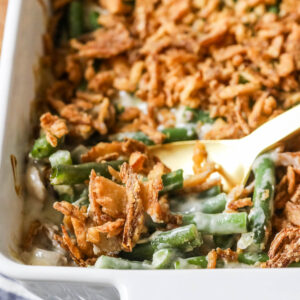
(119, 76)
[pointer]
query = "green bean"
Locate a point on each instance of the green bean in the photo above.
(142, 137)
(172, 135)
(60, 157)
(76, 194)
(193, 115)
(74, 174)
(77, 152)
(200, 262)
(224, 241)
(139, 136)
(65, 192)
(172, 181)
(75, 18)
(91, 23)
(210, 205)
(215, 190)
(274, 8)
(242, 80)
(108, 262)
(251, 258)
(294, 265)
(179, 134)
(83, 199)
(261, 213)
(218, 224)
(41, 148)
(197, 262)
(164, 258)
(139, 252)
(185, 238)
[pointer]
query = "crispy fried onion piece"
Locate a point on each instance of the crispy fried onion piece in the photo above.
(90, 241)
(239, 203)
(115, 219)
(157, 207)
(54, 127)
(237, 198)
(199, 178)
(106, 43)
(226, 255)
(80, 232)
(288, 159)
(156, 136)
(199, 157)
(285, 248)
(68, 209)
(70, 245)
(212, 259)
(292, 213)
(106, 197)
(112, 228)
(102, 150)
(134, 223)
(137, 161)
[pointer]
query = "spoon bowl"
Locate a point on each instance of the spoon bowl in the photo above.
(234, 157)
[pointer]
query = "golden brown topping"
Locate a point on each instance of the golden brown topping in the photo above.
(292, 213)
(54, 127)
(156, 136)
(101, 150)
(80, 233)
(212, 259)
(68, 209)
(296, 196)
(74, 115)
(285, 248)
(129, 146)
(108, 42)
(74, 251)
(137, 160)
(286, 65)
(199, 178)
(239, 203)
(227, 255)
(109, 195)
(112, 228)
(73, 68)
(291, 178)
(199, 157)
(288, 159)
(129, 114)
(134, 224)
(115, 174)
(281, 195)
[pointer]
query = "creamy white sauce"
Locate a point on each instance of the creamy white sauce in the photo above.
(202, 129)
(127, 100)
(44, 257)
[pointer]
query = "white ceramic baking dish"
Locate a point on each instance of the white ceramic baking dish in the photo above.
(21, 49)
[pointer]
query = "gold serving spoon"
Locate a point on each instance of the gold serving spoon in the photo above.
(234, 157)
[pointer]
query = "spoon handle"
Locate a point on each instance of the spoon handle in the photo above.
(275, 130)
